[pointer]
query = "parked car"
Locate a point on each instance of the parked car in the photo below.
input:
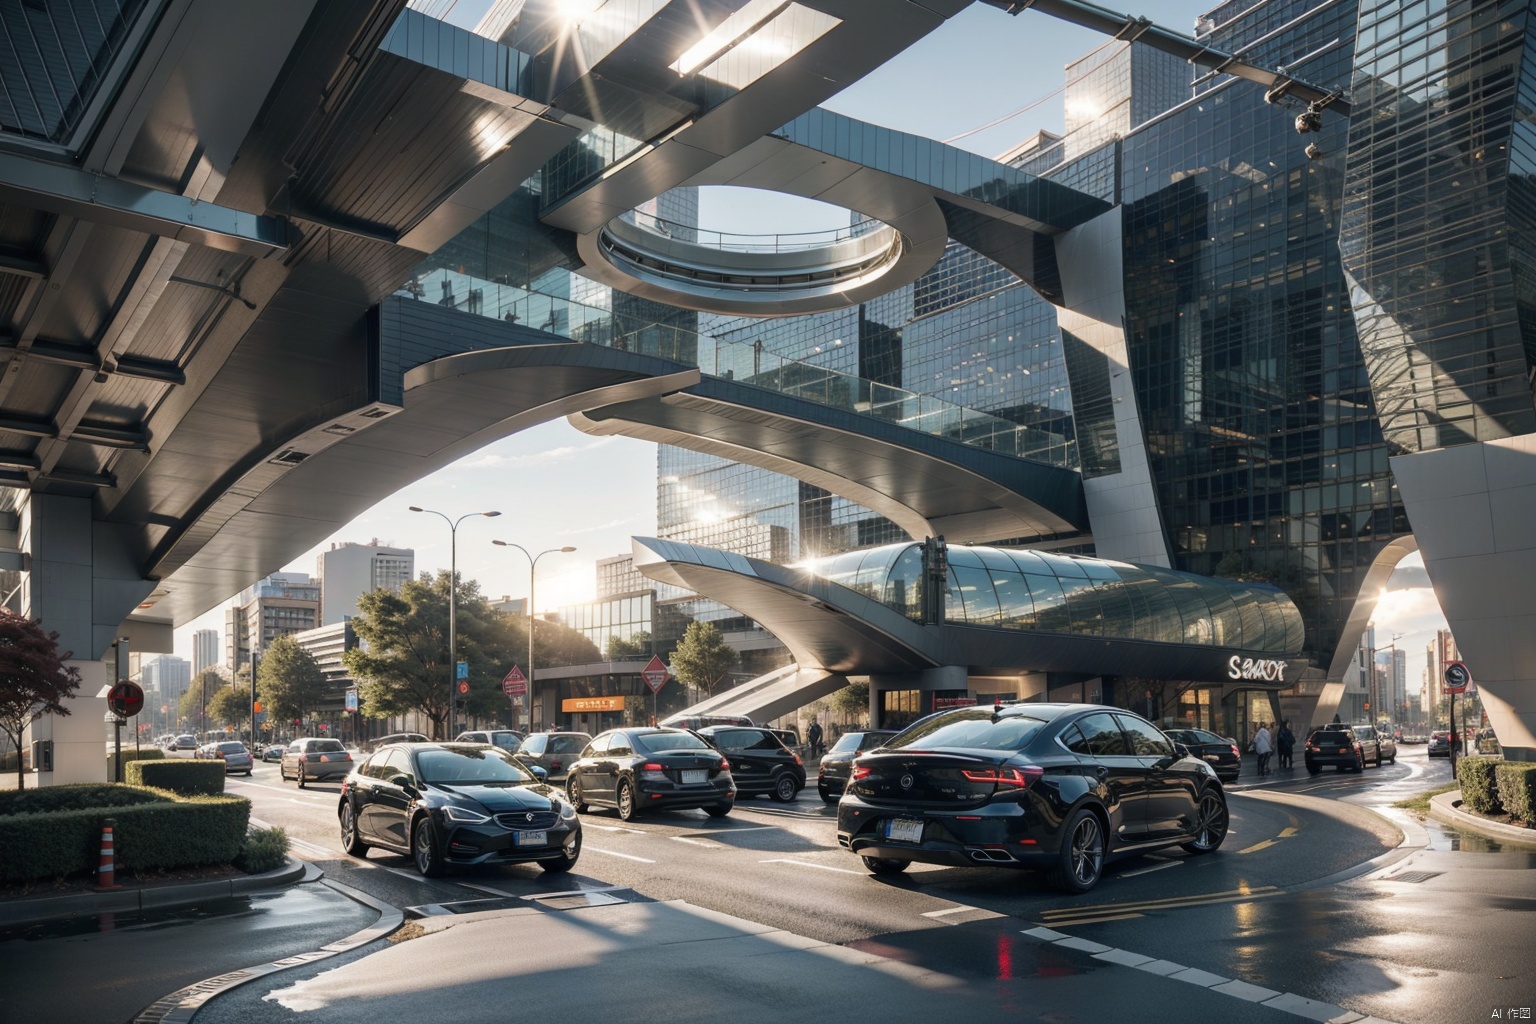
(234, 755)
(832, 773)
(553, 752)
(760, 762)
(1375, 744)
(1219, 752)
(507, 739)
(700, 721)
(1440, 741)
(313, 759)
(1335, 746)
(397, 737)
(447, 804)
(1057, 787)
(643, 769)
(274, 751)
(186, 741)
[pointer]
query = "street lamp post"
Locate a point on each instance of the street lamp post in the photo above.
(453, 599)
(533, 565)
(1372, 690)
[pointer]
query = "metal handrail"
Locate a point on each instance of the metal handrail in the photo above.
(730, 241)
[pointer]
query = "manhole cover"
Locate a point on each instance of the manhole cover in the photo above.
(576, 900)
(1415, 876)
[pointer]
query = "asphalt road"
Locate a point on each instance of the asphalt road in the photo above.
(1323, 892)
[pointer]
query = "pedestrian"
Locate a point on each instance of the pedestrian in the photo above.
(813, 736)
(1263, 746)
(1285, 742)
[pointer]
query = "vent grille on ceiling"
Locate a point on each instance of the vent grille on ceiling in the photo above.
(288, 457)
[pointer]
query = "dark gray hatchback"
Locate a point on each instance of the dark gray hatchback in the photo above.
(832, 773)
(760, 762)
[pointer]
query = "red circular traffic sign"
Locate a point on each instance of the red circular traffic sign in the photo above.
(1457, 676)
(126, 699)
(463, 687)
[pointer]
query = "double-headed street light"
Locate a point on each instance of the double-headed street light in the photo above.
(533, 565)
(453, 599)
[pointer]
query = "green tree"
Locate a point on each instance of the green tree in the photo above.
(33, 678)
(702, 659)
(230, 705)
(628, 648)
(405, 667)
(289, 680)
(199, 695)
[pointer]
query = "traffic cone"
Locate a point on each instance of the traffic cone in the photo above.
(106, 873)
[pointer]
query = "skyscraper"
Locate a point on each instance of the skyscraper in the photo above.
(349, 570)
(205, 650)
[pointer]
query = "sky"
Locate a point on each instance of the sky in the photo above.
(557, 487)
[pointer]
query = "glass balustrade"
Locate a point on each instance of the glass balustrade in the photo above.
(740, 362)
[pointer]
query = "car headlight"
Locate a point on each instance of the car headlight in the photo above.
(463, 814)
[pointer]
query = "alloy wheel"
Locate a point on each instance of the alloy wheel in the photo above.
(1087, 851)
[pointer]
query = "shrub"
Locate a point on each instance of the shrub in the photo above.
(1517, 789)
(1479, 790)
(159, 829)
(74, 798)
(192, 778)
(129, 754)
(265, 849)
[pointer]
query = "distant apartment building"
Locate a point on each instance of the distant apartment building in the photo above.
(282, 604)
(348, 571)
(1440, 652)
(205, 650)
(164, 677)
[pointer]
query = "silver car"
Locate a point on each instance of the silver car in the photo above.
(236, 758)
(553, 752)
(1377, 746)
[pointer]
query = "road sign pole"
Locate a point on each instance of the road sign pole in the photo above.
(117, 749)
(1452, 739)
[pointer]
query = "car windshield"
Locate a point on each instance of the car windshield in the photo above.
(325, 746)
(975, 728)
(847, 741)
(566, 744)
(507, 740)
(1330, 738)
(232, 748)
(449, 766)
(656, 742)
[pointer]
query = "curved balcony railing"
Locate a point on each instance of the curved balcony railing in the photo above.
(732, 241)
(739, 361)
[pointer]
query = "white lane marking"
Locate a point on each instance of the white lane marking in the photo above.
(614, 853)
(808, 864)
(946, 913)
(618, 828)
(1155, 867)
(706, 843)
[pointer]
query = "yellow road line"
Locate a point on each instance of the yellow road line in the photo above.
(1110, 915)
(1172, 901)
(1256, 847)
(1286, 833)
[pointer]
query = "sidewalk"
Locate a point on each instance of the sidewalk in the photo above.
(152, 895)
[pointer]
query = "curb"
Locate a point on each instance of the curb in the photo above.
(1446, 807)
(48, 908)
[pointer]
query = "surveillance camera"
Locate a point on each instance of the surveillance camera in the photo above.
(1314, 151)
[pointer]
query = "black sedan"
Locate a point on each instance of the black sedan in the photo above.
(639, 770)
(447, 804)
(1335, 746)
(1058, 787)
(1219, 752)
(832, 774)
(760, 762)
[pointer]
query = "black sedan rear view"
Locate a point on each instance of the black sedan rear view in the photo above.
(832, 773)
(1057, 787)
(1219, 752)
(456, 804)
(639, 770)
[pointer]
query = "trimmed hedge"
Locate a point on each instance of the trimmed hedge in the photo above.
(161, 830)
(1479, 787)
(129, 755)
(73, 798)
(264, 849)
(192, 778)
(1517, 789)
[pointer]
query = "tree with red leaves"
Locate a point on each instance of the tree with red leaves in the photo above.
(34, 680)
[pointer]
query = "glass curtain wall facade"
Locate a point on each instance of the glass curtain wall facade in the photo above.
(1260, 425)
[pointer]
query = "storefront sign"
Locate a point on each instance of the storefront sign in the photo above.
(580, 704)
(940, 703)
(1266, 669)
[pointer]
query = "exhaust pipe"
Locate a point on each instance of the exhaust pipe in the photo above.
(992, 856)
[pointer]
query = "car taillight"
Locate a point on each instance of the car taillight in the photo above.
(725, 765)
(343, 787)
(798, 761)
(1005, 778)
(861, 772)
(652, 766)
(553, 765)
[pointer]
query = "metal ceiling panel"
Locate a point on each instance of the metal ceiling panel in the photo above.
(36, 387)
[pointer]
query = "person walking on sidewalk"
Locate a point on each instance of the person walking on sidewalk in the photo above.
(1285, 743)
(813, 736)
(1263, 746)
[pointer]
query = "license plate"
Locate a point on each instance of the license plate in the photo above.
(694, 776)
(904, 830)
(531, 838)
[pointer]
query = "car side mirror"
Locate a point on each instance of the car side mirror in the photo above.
(1180, 749)
(403, 781)
(538, 772)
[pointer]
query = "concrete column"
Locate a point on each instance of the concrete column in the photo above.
(1472, 508)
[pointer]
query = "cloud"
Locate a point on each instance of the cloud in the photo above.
(530, 460)
(612, 524)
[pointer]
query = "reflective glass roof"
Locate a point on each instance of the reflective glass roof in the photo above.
(1014, 588)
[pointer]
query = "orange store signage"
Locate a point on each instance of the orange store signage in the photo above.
(592, 704)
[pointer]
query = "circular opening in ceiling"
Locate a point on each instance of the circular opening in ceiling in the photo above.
(729, 209)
